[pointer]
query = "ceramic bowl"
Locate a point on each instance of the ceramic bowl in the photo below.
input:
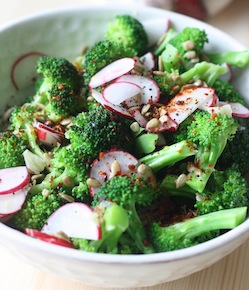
(63, 32)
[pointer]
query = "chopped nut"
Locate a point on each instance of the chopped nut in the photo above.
(66, 121)
(143, 169)
(115, 169)
(90, 99)
(163, 119)
(134, 127)
(160, 63)
(68, 181)
(191, 54)
(45, 192)
(195, 60)
(66, 197)
(198, 197)
(188, 45)
(181, 180)
(145, 109)
(92, 182)
(153, 123)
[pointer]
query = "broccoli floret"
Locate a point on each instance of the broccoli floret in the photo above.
(128, 31)
(233, 58)
(227, 92)
(99, 130)
(21, 123)
(210, 133)
(225, 189)
(60, 90)
(237, 150)
(11, 150)
(171, 83)
(115, 223)
(169, 155)
(68, 171)
(100, 55)
(195, 230)
(36, 210)
(130, 192)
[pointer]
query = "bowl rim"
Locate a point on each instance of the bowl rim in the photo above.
(216, 243)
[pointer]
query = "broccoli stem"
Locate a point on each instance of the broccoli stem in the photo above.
(169, 155)
(205, 71)
(205, 161)
(233, 58)
(167, 37)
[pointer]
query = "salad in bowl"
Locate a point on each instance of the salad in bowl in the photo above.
(137, 146)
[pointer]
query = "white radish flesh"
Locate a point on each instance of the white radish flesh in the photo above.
(238, 110)
(112, 71)
(118, 92)
(150, 91)
(186, 102)
(12, 202)
(155, 28)
(13, 179)
(119, 110)
(228, 75)
(148, 61)
(48, 238)
(101, 169)
(76, 220)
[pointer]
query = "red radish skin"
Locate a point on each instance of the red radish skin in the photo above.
(48, 238)
(118, 92)
(12, 202)
(238, 110)
(47, 135)
(101, 167)
(119, 110)
(112, 71)
(150, 91)
(18, 61)
(76, 220)
(12, 179)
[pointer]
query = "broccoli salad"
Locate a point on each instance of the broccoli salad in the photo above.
(132, 148)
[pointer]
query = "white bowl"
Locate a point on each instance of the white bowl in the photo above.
(63, 32)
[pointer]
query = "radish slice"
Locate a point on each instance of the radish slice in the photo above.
(76, 220)
(102, 168)
(12, 179)
(12, 202)
(228, 75)
(211, 102)
(119, 110)
(24, 65)
(47, 135)
(148, 61)
(112, 71)
(141, 120)
(150, 91)
(48, 238)
(118, 92)
(223, 110)
(238, 110)
(186, 102)
(155, 28)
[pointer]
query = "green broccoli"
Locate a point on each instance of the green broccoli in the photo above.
(171, 83)
(226, 189)
(100, 55)
(128, 31)
(234, 58)
(99, 130)
(237, 150)
(169, 155)
(227, 92)
(195, 230)
(11, 150)
(115, 222)
(210, 133)
(60, 91)
(160, 47)
(130, 193)
(37, 209)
